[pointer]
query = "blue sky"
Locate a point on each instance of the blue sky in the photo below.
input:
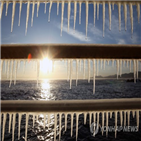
(49, 32)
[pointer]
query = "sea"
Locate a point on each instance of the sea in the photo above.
(60, 90)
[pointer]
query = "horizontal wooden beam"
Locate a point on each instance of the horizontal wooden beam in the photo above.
(71, 105)
(70, 51)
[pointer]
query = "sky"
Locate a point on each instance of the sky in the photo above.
(49, 32)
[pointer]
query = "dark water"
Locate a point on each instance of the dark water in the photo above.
(59, 90)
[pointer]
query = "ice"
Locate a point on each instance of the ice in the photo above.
(121, 118)
(1, 9)
(97, 10)
(111, 114)
(27, 16)
(115, 124)
(24, 63)
(133, 113)
(75, 11)
(55, 124)
(44, 120)
(103, 18)
(94, 120)
(15, 72)
(1, 66)
(19, 62)
(62, 17)
(5, 66)
(109, 15)
(120, 67)
(80, 64)
(77, 63)
(119, 15)
(33, 8)
(138, 10)
(20, 9)
(131, 16)
(130, 65)
(113, 5)
(33, 120)
(10, 118)
(117, 68)
(71, 71)
(137, 63)
(60, 121)
(77, 118)
(93, 76)
(80, 3)
(104, 64)
(72, 124)
(97, 67)
(66, 115)
(45, 7)
(68, 64)
(94, 3)
(7, 4)
(69, 11)
(38, 70)
(101, 63)
(19, 128)
(57, 7)
(113, 63)
(89, 70)
(49, 10)
(134, 71)
(128, 118)
(3, 129)
(137, 116)
(13, 15)
(124, 118)
(38, 5)
(87, 13)
(107, 114)
(26, 126)
(48, 120)
(85, 117)
(84, 68)
(103, 114)
(98, 120)
(13, 126)
(90, 119)
(11, 74)
(125, 15)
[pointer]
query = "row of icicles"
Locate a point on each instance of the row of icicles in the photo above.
(95, 3)
(46, 121)
(12, 66)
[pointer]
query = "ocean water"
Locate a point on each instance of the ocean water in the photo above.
(59, 90)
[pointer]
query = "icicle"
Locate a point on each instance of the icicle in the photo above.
(137, 63)
(68, 64)
(38, 5)
(133, 113)
(107, 124)
(97, 67)
(97, 10)
(13, 126)
(138, 10)
(119, 15)
(89, 69)
(125, 14)
(69, 11)
(33, 7)
(19, 62)
(7, 3)
(38, 71)
(120, 67)
(98, 120)
(109, 15)
(128, 118)
(15, 72)
(127, 64)
(94, 114)
(33, 120)
(44, 120)
(134, 71)
(57, 7)
(19, 127)
(49, 10)
(11, 73)
(80, 64)
(130, 65)
(85, 118)
(80, 3)
(60, 115)
(4, 122)
(104, 64)
(102, 122)
(24, 63)
(93, 76)
(115, 124)
(94, 3)
(55, 122)
(87, 13)
(1, 67)
(117, 68)
(103, 17)
(111, 114)
(76, 71)
(131, 16)
(84, 69)
(113, 5)
(101, 63)
(27, 16)
(77, 118)
(121, 119)
(66, 121)
(10, 118)
(112, 62)
(75, 11)
(26, 126)
(71, 73)
(2, 3)
(124, 118)
(5, 66)
(45, 7)
(62, 17)
(90, 119)
(71, 124)
(20, 9)
(137, 116)
(48, 120)
(13, 15)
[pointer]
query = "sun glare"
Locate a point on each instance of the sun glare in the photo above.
(46, 65)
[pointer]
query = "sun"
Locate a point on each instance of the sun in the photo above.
(46, 65)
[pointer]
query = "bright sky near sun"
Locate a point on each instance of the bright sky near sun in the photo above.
(49, 32)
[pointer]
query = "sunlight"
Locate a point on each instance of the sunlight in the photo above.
(46, 65)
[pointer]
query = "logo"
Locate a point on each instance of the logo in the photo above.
(94, 128)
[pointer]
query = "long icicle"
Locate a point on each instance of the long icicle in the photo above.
(60, 122)
(19, 127)
(84, 69)
(117, 68)
(26, 126)
(71, 124)
(71, 61)
(103, 18)
(107, 124)
(75, 11)
(33, 7)
(66, 121)
(62, 17)
(12, 64)
(45, 7)
(80, 3)
(57, 7)
(121, 118)
(109, 15)
(115, 124)
(103, 114)
(77, 71)
(138, 10)
(1, 9)
(77, 118)
(5, 66)
(69, 11)
(20, 9)
(125, 15)
(89, 70)
(13, 15)
(55, 122)
(13, 126)
(7, 4)
(4, 122)
(85, 117)
(94, 120)
(27, 16)
(134, 71)
(49, 10)
(137, 64)
(94, 4)
(137, 117)
(38, 5)
(10, 118)
(93, 76)
(15, 77)
(97, 10)
(119, 15)
(131, 17)
(128, 118)
(87, 13)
